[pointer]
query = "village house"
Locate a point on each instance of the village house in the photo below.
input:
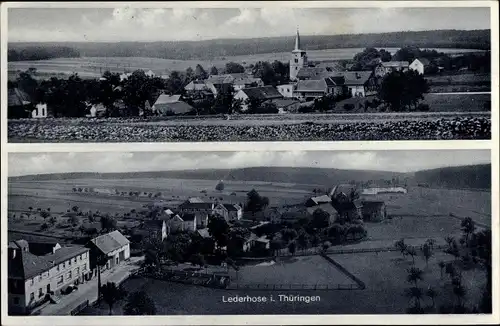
(201, 88)
(327, 207)
(373, 211)
(420, 65)
(112, 247)
(245, 82)
(286, 105)
(315, 201)
(348, 208)
(383, 68)
(97, 110)
(315, 88)
(40, 111)
(182, 222)
(259, 94)
(230, 212)
(287, 90)
(32, 279)
(360, 83)
(154, 229)
(18, 104)
(171, 105)
(199, 208)
(253, 243)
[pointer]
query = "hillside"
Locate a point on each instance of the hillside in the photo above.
(213, 49)
(269, 174)
(472, 176)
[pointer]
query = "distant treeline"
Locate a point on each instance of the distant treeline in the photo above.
(212, 49)
(472, 176)
(41, 52)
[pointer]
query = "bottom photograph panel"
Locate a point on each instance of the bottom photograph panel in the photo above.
(300, 232)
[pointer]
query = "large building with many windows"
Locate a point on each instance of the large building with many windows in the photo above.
(32, 279)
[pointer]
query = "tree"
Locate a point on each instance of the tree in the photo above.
(400, 244)
(200, 73)
(108, 223)
(44, 226)
(288, 234)
(218, 229)
(265, 71)
(292, 247)
(303, 240)
(110, 294)
(412, 252)
(233, 67)
(468, 227)
(214, 71)
(432, 294)
(403, 90)
(414, 275)
(74, 220)
(441, 265)
(44, 214)
(449, 240)
(460, 292)
(427, 252)
(139, 303)
(368, 59)
(219, 186)
(255, 202)
(320, 219)
(75, 209)
(416, 294)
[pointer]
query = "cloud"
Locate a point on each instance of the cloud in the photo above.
(397, 161)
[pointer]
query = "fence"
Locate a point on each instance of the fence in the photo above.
(291, 287)
(80, 307)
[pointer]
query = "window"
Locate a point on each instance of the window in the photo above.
(69, 262)
(58, 267)
(296, 60)
(43, 111)
(77, 271)
(75, 259)
(32, 281)
(84, 267)
(68, 276)
(80, 257)
(40, 292)
(60, 280)
(64, 264)
(32, 296)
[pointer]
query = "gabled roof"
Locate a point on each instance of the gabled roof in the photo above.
(248, 81)
(164, 98)
(327, 207)
(64, 253)
(110, 241)
(262, 93)
(26, 265)
(195, 200)
(204, 233)
(312, 72)
(356, 77)
(188, 217)
(395, 64)
(17, 97)
(153, 224)
(424, 61)
(197, 85)
(202, 205)
(175, 108)
(321, 199)
(232, 207)
(313, 85)
(284, 103)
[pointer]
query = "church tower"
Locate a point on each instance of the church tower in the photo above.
(298, 60)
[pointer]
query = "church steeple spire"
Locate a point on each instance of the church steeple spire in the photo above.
(297, 40)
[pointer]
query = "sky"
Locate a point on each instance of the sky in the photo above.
(395, 161)
(182, 23)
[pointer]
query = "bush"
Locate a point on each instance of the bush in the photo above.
(348, 107)
(305, 109)
(423, 107)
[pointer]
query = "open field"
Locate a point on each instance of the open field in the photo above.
(92, 67)
(306, 270)
(460, 79)
(272, 127)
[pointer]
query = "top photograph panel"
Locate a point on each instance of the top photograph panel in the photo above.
(257, 74)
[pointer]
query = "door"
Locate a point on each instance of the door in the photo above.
(122, 255)
(48, 288)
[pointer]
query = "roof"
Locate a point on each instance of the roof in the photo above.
(188, 205)
(262, 93)
(153, 224)
(314, 85)
(312, 72)
(397, 64)
(17, 97)
(372, 203)
(188, 217)
(424, 61)
(197, 85)
(327, 207)
(176, 107)
(321, 199)
(204, 233)
(195, 200)
(110, 241)
(64, 253)
(342, 188)
(356, 77)
(232, 207)
(284, 103)
(26, 265)
(164, 98)
(248, 81)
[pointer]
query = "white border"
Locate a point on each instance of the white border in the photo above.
(260, 146)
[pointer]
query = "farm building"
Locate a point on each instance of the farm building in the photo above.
(230, 212)
(97, 110)
(360, 83)
(327, 207)
(373, 211)
(384, 68)
(203, 88)
(33, 279)
(314, 88)
(201, 209)
(19, 104)
(420, 65)
(260, 94)
(182, 222)
(286, 90)
(171, 105)
(314, 201)
(286, 105)
(113, 247)
(156, 229)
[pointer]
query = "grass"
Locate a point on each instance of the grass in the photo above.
(307, 270)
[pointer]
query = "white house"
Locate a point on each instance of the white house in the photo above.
(260, 94)
(286, 90)
(97, 110)
(40, 111)
(114, 246)
(150, 73)
(230, 212)
(183, 222)
(384, 68)
(33, 279)
(419, 65)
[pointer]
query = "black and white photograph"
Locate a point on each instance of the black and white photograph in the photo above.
(269, 73)
(278, 232)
